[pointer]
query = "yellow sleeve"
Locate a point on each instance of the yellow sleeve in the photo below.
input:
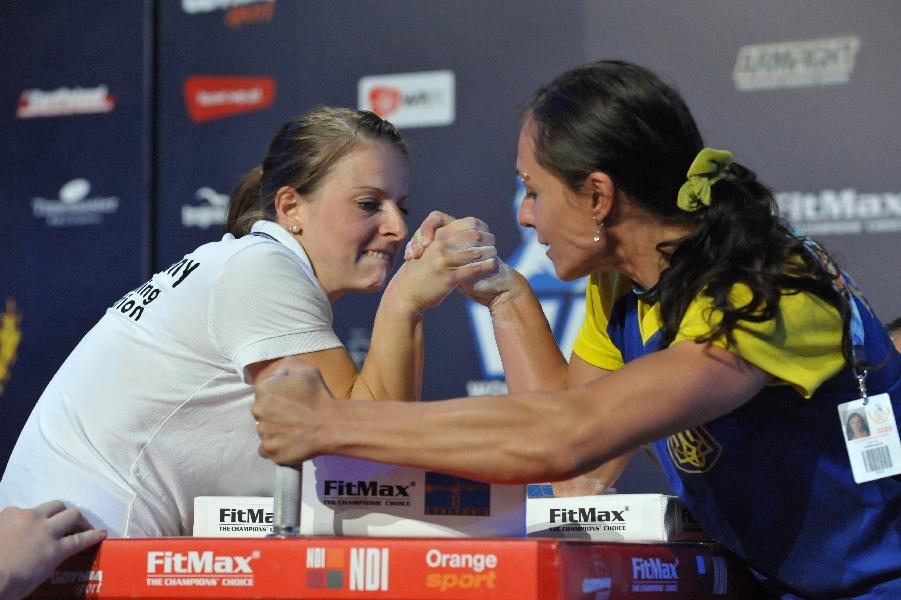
(592, 344)
(801, 346)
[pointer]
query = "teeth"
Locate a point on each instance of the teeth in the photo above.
(378, 254)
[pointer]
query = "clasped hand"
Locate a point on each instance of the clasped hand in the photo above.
(450, 253)
(294, 407)
(290, 409)
(485, 281)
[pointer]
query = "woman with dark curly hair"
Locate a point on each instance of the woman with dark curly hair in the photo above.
(713, 331)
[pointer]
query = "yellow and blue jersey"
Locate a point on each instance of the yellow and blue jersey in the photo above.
(772, 480)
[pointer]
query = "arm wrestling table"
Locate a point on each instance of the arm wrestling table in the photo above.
(399, 569)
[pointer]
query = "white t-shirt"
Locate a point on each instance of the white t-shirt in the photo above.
(152, 408)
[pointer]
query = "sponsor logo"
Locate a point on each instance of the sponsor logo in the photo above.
(587, 519)
(244, 515)
(208, 97)
(65, 101)
(654, 575)
(237, 12)
(842, 212)
(245, 519)
(795, 64)
(337, 492)
(211, 210)
(454, 570)
(325, 568)
(82, 582)
(74, 206)
(367, 569)
(10, 336)
(199, 569)
(424, 99)
(585, 515)
(336, 487)
(562, 302)
(693, 450)
(449, 495)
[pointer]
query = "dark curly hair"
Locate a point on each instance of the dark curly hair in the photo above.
(622, 119)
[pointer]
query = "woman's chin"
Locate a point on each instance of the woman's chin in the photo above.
(376, 284)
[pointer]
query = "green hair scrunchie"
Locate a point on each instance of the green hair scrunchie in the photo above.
(708, 167)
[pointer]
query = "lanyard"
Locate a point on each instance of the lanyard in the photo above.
(843, 285)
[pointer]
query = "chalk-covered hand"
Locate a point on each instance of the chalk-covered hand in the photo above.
(488, 288)
(443, 254)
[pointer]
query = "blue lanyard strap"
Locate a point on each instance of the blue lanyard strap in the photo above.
(843, 285)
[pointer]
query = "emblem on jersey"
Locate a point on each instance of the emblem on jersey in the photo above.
(10, 334)
(693, 450)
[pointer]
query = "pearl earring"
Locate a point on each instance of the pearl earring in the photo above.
(294, 229)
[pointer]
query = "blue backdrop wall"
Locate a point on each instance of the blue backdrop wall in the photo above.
(124, 127)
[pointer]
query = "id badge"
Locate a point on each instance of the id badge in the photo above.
(871, 436)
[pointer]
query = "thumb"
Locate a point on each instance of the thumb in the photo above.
(426, 233)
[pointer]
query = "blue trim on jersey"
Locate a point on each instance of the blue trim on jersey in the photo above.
(772, 480)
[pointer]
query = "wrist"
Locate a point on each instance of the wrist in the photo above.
(398, 301)
(506, 297)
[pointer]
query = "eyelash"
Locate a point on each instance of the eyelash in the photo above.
(375, 206)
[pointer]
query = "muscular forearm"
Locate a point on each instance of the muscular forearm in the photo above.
(394, 362)
(529, 352)
(507, 439)
(525, 437)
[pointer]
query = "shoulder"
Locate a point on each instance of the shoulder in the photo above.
(800, 345)
(261, 259)
(604, 290)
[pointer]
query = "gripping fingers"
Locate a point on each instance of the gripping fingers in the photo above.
(471, 254)
(426, 233)
(472, 270)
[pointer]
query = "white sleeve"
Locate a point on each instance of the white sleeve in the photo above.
(264, 305)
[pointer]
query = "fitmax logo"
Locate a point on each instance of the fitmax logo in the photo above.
(245, 515)
(654, 569)
(194, 562)
(337, 487)
(585, 515)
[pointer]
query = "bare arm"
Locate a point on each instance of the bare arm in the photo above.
(604, 476)
(533, 362)
(535, 436)
(529, 353)
(461, 250)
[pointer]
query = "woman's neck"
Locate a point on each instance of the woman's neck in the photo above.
(638, 256)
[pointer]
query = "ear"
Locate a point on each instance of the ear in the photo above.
(287, 206)
(602, 192)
